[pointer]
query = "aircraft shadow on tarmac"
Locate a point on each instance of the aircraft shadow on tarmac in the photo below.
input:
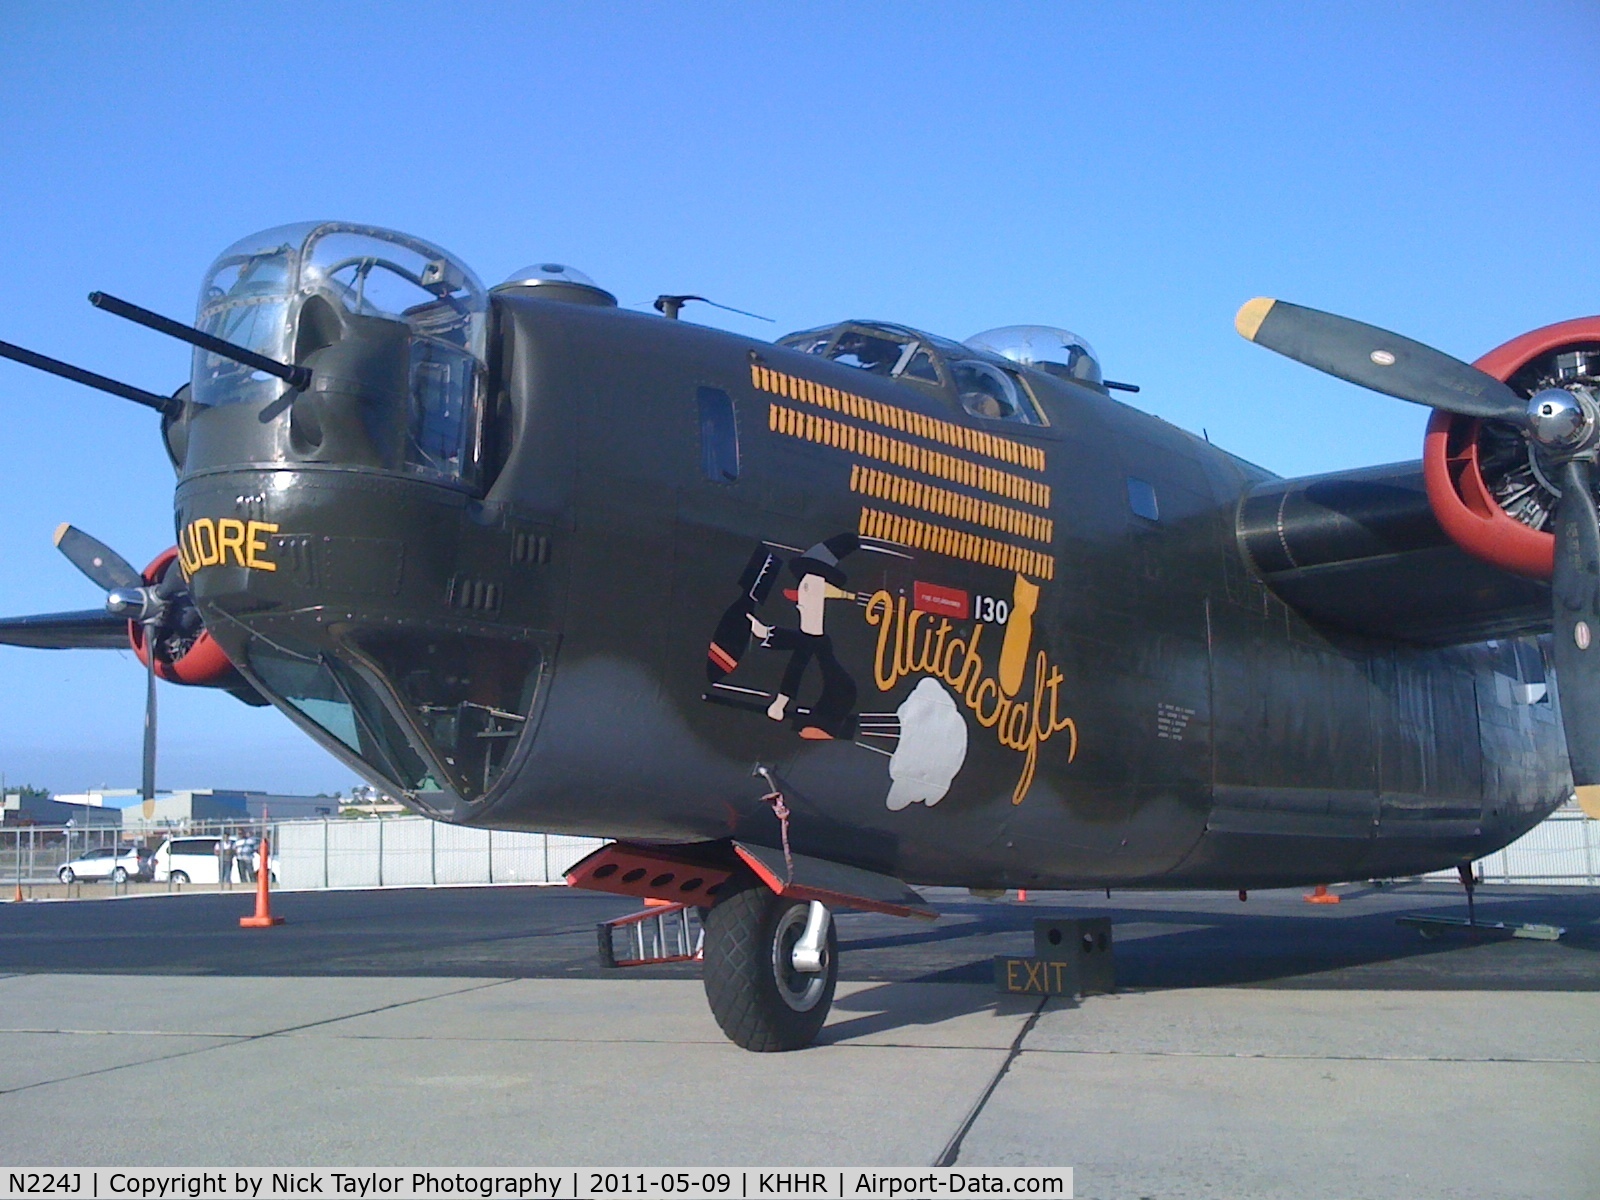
(886, 1007)
(1167, 940)
(1163, 940)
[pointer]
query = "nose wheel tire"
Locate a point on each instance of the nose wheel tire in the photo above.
(758, 998)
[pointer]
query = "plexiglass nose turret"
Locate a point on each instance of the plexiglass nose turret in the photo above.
(393, 330)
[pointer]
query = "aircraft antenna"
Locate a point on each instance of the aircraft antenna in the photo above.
(671, 306)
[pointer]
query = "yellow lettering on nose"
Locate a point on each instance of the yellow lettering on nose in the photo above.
(254, 546)
(185, 559)
(210, 543)
(230, 536)
(204, 537)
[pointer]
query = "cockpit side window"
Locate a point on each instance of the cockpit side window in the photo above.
(813, 341)
(870, 352)
(921, 366)
(995, 394)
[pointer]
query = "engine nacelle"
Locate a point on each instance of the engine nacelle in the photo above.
(1466, 488)
(201, 662)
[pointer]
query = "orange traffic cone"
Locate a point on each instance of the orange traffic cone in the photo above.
(1321, 896)
(1022, 895)
(263, 916)
(18, 897)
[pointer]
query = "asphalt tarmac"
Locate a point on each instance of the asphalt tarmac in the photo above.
(1268, 1048)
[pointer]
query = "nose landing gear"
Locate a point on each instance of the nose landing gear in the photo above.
(771, 965)
(770, 952)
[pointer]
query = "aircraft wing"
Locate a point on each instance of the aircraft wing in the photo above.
(88, 629)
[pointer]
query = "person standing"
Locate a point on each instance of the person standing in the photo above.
(225, 861)
(244, 853)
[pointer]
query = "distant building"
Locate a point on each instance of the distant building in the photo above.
(125, 808)
(179, 808)
(288, 808)
(60, 810)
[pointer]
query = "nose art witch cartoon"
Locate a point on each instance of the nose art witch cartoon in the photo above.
(820, 580)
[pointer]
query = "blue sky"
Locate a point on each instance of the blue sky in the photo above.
(1131, 171)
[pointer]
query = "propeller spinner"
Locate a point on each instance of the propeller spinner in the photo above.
(1562, 424)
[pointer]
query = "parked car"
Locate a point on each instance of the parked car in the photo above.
(116, 863)
(187, 860)
(194, 860)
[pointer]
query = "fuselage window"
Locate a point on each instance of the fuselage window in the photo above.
(719, 436)
(987, 391)
(1142, 500)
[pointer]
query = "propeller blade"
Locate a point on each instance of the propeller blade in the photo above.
(172, 585)
(147, 790)
(91, 629)
(97, 560)
(1575, 596)
(1377, 359)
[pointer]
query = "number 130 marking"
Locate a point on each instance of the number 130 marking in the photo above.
(991, 610)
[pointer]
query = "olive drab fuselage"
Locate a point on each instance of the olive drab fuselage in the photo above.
(975, 650)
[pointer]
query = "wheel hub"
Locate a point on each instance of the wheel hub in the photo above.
(800, 990)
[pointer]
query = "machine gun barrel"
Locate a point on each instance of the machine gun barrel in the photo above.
(295, 377)
(162, 404)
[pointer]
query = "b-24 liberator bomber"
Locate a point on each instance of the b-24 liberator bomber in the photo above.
(799, 624)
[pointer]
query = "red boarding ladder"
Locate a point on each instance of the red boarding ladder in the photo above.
(666, 932)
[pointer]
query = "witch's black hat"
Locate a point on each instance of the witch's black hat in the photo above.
(823, 559)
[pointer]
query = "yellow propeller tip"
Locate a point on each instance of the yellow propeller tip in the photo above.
(1249, 318)
(61, 532)
(1589, 800)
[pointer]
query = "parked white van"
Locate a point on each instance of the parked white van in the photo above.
(187, 860)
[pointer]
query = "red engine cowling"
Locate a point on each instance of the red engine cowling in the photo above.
(202, 664)
(1461, 498)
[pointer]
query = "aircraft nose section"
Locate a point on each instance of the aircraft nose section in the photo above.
(397, 621)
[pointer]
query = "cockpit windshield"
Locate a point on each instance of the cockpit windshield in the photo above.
(877, 349)
(259, 290)
(985, 386)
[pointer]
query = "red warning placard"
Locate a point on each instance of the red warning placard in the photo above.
(946, 601)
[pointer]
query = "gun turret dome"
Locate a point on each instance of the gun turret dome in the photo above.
(556, 281)
(1057, 352)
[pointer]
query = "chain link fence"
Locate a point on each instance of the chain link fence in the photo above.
(417, 852)
(411, 851)
(1564, 848)
(34, 854)
(397, 851)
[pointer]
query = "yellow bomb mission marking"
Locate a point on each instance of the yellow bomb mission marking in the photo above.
(208, 543)
(911, 642)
